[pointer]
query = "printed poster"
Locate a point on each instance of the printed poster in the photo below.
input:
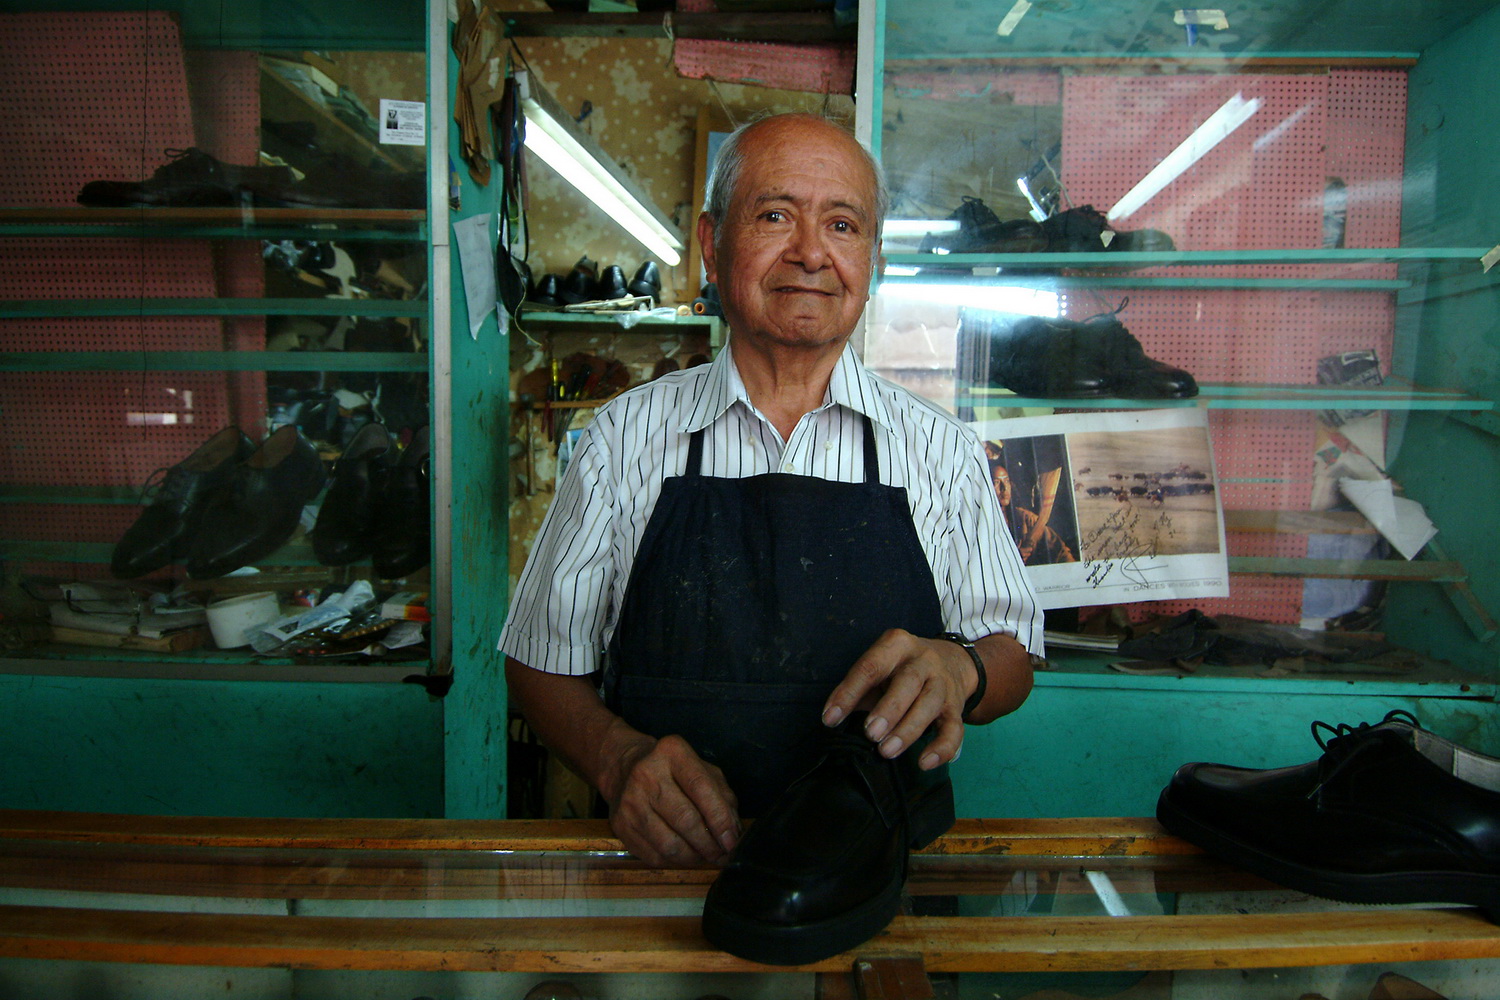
(1111, 508)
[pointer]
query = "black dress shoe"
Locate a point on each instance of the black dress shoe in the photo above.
(647, 280)
(1390, 813)
(578, 285)
(190, 179)
(257, 510)
(611, 284)
(163, 531)
(823, 869)
(403, 513)
(1037, 356)
(547, 292)
(1083, 229)
(346, 526)
(980, 230)
(1131, 373)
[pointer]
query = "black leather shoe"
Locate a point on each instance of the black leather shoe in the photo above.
(647, 280)
(1082, 230)
(1133, 375)
(163, 531)
(257, 510)
(346, 526)
(611, 284)
(1039, 357)
(548, 291)
(190, 179)
(403, 513)
(822, 870)
(578, 285)
(1390, 813)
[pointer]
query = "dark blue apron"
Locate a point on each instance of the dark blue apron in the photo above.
(748, 602)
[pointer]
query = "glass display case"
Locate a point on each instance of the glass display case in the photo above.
(154, 906)
(216, 326)
(1266, 219)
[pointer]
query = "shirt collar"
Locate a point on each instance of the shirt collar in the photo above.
(850, 385)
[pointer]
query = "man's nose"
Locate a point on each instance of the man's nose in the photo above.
(808, 245)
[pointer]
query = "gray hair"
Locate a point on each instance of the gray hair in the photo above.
(730, 162)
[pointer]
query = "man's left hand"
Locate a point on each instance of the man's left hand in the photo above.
(906, 684)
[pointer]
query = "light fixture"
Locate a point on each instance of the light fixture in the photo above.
(1009, 22)
(552, 135)
(1230, 116)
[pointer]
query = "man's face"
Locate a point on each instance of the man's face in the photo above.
(794, 259)
(1002, 484)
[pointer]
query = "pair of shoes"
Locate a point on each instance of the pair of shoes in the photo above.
(226, 505)
(1390, 813)
(823, 869)
(585, 283)
(1058, 358)
(190, 179)
(378, 505)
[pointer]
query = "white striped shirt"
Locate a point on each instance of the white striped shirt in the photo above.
(569, 595)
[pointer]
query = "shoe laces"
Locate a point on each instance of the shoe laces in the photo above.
(1342, 729)
(162, 484)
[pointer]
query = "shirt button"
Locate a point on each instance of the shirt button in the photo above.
(789, 467)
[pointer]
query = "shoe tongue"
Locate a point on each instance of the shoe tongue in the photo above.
(877, 774)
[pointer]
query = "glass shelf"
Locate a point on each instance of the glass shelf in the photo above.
(229, 223)
(1247, 397)
(52, 308)
(213, 361)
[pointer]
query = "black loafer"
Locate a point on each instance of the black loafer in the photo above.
(346, 526)
(257, 510)
(823, 869)
(1390, 813)
(164, 530)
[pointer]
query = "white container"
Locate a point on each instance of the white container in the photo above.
(233, 619)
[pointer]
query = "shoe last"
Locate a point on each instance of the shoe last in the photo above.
(163, 531)
(403, 513)
(258, 508)
(345, 529)
(822, 869)
(647, 280)
(577, 287)
(611, 284)
(548, 291)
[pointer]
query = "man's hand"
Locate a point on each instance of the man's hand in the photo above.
(669, 806)
(906, 684)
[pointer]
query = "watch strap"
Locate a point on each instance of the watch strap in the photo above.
(984, 680)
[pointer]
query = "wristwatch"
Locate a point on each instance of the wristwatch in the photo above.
(984, 680)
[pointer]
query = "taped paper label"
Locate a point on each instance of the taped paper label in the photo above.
(1490, 259)
(1208, 18)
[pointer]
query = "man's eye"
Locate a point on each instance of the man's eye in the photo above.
(842, 226)
(774, 215)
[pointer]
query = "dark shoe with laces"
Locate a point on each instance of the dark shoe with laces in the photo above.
(823, 869)
(402, 518)
(190, 179)
(258, 508)
(164, 530)
(346, 529)
(1085, 229)
(980, 230)
(1390, 813)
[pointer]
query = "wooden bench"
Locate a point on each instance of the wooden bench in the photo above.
(302, 859)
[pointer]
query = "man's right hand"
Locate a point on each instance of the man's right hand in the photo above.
(669, 806)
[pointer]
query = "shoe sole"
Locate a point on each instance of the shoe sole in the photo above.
(1464, 888)
(800, 944)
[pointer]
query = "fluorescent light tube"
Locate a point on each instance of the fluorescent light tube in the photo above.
(574, 155)
(1230, 116)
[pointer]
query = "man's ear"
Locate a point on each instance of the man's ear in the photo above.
(706, 244)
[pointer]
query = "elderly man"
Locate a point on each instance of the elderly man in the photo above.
(744, 553)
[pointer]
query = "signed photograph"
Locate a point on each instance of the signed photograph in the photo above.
(1110, 508)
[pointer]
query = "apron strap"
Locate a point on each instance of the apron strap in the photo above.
(695, 453)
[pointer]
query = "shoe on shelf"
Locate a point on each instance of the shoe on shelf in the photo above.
(611, 284)
(1085, 229)
(1390, 813)
(346, 527)
(402, 516)
(980, 230)
(547, 292)
(258, 508)
(1132, 374)
(647, 280)
(191, 178)
(162, 532)
(823, 869)
(578, 285)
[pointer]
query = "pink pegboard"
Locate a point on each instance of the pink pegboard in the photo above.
(821, 69)
(1261, 188)
(104, 96)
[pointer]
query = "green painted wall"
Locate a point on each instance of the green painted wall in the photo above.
(1450, 337)
(219, 748)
